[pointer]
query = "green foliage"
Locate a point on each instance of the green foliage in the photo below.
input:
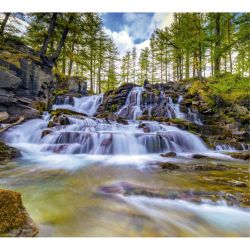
(231, 88)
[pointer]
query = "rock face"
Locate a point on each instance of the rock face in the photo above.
(24, 81)
(162, 102)
(14, 219)
(8, 153)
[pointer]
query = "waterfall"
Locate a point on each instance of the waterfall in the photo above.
(194, 117)
(99, 136)
(132, 108)
(87, 105)
(225, 147)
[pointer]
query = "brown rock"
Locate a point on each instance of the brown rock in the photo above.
(14, 219)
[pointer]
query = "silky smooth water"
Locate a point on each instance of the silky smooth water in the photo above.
(60, 173)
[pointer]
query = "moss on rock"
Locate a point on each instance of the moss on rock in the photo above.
(7, 152)
(14, 219)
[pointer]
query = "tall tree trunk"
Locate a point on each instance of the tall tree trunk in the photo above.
(217, 52)
(4, 23)
(47, 38)
(70, 60)
(91, 67)
(64, 61)
(187, 64)
(229, 25)
(56, 54)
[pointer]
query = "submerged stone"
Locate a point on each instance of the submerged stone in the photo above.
(169, 154)
(169, 166)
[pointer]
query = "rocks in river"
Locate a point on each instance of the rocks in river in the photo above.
(245, 155)
(169, 166)
(169, 154)
(46, 132)
(192, 167)
(130, 189)
(8, 153)
(58, 120)
(199, 156)
(14, 219)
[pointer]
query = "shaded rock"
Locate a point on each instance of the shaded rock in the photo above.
(169, 166)
(199, 156)
(245, 155)
(3, 116)
(169, 154)
(58, 120)
(46, 132)
(7, 152)
(14, 219)
(9, 81)
(206, 167)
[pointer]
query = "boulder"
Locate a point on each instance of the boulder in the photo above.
(9, 81)
(14, 219)
(169, 166)
(8, 153)
(169, 154)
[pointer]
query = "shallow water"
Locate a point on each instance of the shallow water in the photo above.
(64, 201)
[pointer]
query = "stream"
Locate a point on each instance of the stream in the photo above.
(62, 169)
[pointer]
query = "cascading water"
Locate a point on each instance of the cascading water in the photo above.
(132, 108)
(87, 104)
(103, 144)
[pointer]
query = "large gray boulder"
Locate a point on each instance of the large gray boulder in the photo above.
(8, 80)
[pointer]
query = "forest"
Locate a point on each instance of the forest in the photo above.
(146, 140)
(196, 45)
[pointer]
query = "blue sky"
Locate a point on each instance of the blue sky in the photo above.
(133, 29)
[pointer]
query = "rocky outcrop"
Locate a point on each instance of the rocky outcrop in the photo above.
(14, 219)
(113, 100)
(24, 82)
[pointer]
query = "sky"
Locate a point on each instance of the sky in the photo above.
(134, 29)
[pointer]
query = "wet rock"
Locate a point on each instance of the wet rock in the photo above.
(58, 120)
(199, 156)
(245, 155)
(8, 153)
(14, 219)
(205, 167)
(3, 116)
(46, 132)
(65, 112)
(169, 154)
(169, 166)
(130, 189)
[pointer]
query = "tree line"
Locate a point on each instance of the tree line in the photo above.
(72, 44)
(196, 45)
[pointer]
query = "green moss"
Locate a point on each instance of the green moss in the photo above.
(12, 213)
(40, 106)
(60, 91)
(64, 111)
(7, 152)
(230, 87)
(113, 108)
(13, 56)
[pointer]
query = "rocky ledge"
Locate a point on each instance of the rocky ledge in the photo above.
(14, 219)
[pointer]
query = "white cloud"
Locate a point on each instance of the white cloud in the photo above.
(138, 26)
(123, 41)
